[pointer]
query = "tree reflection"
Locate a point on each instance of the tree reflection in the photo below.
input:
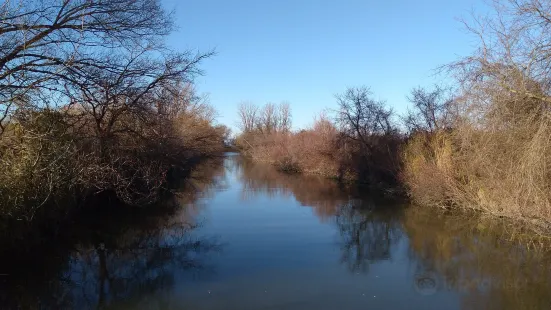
(134, 258)
(114, 255)
(480, 258)
(482, 261)
(367, 234)
(139, 263)
(368, 227)
(323, 195)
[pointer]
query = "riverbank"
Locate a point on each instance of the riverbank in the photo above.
(481, 142)
(424, 184)
(103, 108)
(35, 253)
(248, 236)
(438, 169)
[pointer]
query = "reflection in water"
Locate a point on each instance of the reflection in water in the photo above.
(452, 253)
(368, 228)
(116, 258)
(172, 256)
(323, 195)
(140, 263)
(367, 234)
(478, 259)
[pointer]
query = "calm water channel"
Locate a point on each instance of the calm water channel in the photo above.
(242, 236)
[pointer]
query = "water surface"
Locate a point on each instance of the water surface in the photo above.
(243, 236)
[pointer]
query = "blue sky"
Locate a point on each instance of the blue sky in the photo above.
(306, 51)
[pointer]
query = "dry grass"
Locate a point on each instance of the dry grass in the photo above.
(501, 168)
(427, 168)
(496, 158)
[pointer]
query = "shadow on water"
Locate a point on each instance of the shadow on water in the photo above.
(111, 255)
(409, 257)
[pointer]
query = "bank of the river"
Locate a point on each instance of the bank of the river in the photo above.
(529, 231)
(240, 235)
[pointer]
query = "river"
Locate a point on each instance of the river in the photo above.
(242, 236)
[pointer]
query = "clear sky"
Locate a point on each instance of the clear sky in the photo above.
(306, 51)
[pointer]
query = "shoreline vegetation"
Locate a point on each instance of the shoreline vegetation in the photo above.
(94, 104)
(481, 143)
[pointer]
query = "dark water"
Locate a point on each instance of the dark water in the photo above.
(242, 236)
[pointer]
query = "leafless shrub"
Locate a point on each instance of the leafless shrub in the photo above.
(309, 151)
(91, 100)
(496, 158)
(432, 110)
(39, 162)
(370, 136)
(361, 144)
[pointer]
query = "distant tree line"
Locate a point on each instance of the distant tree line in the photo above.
(345, 147)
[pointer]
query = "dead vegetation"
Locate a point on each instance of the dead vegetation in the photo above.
(91, 100)
(494, 155)
(483, 144)
(361, 143)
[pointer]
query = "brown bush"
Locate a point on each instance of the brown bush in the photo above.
(497, 156)
(314, 150)
(325, 150)
(427, 167)
(502, 172)
(360, 144)
(49, 157)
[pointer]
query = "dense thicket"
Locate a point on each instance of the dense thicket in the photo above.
(483, 143)
(360, 143)
(91, 100)
(494, 155)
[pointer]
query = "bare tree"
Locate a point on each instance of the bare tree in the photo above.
(361, 116)
(284, 117)
(431, 109)
(270, 118)
(248, 114)
(50, 49)
(267, 120)
(513, 54)
(368, 136)
(124, 100)
(110, 98)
